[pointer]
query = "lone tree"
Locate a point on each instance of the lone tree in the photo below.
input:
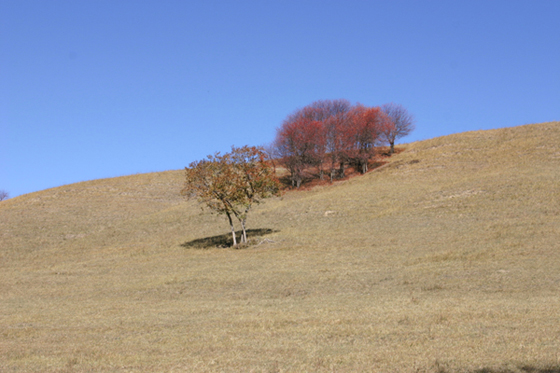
(256, 180)
(4, 195)
(401, 123)
(230, 184)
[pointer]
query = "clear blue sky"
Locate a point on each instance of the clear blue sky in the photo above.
(92, 88)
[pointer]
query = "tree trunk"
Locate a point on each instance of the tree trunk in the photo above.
(333, 166)
(364, 167)
(244, 235)
(232, 229)
(392, 148)
(341, 170)
(243, 221)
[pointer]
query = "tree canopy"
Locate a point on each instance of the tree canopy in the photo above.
(232, 183)
(401, 123)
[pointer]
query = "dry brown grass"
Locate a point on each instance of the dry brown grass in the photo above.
(447, 259)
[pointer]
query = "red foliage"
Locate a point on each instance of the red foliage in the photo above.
(363, 135)
(336, 131)
(299, 142)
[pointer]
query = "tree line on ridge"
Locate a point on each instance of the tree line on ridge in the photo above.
(333, 134)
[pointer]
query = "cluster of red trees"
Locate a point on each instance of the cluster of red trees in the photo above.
(334, 134)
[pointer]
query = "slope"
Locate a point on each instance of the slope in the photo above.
(447, 258)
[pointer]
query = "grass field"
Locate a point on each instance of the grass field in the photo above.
(446, 259)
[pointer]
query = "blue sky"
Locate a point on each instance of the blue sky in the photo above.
(95, 89)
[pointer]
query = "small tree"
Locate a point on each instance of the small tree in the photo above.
(336, 120)
(230, 184)
(300, 143)
(210, 181)
(256, 180)
(4, 195)
(363, 134)
(400, 124)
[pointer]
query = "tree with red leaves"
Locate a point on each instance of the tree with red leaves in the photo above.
(336, 118)
(299, 142)
(230, 184)
(363, 134)
(401, 124)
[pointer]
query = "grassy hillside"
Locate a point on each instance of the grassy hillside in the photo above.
(445, 259)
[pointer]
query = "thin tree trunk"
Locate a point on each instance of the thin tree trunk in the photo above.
(232, 229)
(244, 236)
(333, 166)
(392, 148)
(243, 221)
(321, 172)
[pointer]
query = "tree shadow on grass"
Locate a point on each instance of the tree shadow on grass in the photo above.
(532, 369)
(523, 369)
(225, 240)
